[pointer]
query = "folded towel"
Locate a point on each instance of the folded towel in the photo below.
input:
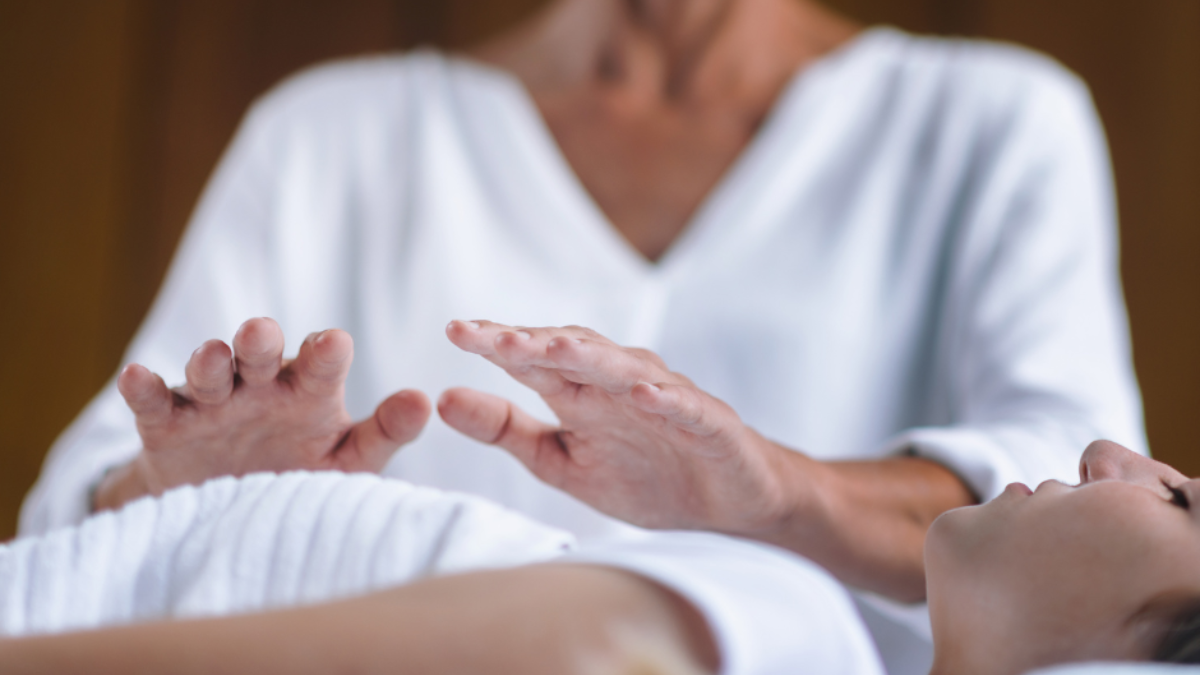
(245, 544)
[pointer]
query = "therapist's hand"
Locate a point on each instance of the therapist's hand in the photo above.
(643, 444)
(245, 409)
(636, 441)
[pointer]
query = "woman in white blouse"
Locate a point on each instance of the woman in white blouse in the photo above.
(893, 257)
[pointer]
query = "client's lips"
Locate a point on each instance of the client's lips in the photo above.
(1019, 488)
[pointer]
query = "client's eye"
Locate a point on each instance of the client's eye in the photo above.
(1178, 497)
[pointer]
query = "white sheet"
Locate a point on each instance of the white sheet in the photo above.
(266, 541)
(263, 541)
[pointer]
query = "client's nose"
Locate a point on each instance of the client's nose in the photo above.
(1105, 460)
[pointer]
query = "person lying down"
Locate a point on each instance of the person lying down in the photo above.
(430, 581)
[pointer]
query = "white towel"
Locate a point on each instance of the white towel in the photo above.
(244, 544)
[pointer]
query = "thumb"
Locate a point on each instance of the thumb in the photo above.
(493, 420)
(373, 441)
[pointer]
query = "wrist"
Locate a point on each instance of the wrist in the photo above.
(118, 486)
(793, 494)
(808, 498)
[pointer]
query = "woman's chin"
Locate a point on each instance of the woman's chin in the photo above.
(958, 540)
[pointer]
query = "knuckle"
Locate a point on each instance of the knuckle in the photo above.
(682, 380)
(648, 364)
(691, 411)
(647, 355)
(584, 330)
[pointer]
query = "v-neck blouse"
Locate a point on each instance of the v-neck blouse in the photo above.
(518, 135)
(513, 144)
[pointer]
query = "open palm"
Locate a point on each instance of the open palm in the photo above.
(636, 441)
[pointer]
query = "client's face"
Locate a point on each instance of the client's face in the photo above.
(1066, 573)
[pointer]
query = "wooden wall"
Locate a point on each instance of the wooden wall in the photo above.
(112, 114)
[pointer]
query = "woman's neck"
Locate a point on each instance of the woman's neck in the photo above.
(682, 51)
(634, 91)
(974, 639)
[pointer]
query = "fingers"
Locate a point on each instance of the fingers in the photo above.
(581, 360)
(397, 421)
(493, 420)
(145, 393)
(324, 361)
(210, 373)
(479, 337)
(684, 406)
(546, 359)
(612, 368)
(403, 415)
(258, 351)
(470, 336)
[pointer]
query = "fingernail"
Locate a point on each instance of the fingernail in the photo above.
(473, 325)
(524, 335)
(655, 387)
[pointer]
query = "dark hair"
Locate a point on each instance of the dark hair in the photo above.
(1181, 637)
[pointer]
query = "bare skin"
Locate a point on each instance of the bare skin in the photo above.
(1092, 572)
(651, 103)
(644, 444)
(551, 619)
(244, 409)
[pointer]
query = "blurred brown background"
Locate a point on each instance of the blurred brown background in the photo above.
(113, 112)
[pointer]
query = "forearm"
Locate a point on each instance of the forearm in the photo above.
(540, 619)
(865, 521)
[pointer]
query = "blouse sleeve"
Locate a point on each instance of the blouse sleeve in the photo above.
(1034, 354)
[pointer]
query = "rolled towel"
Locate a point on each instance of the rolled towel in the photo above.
(235, 545)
